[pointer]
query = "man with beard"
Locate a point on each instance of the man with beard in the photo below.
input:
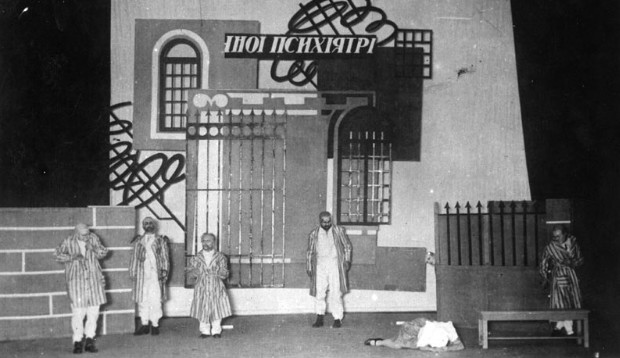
(148, 268)
(81, 253)
(328, 260)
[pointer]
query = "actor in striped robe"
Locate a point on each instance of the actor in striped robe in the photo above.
(148, 268)
(211, 303)
(328, 260)
(81, 253)
(559, 259)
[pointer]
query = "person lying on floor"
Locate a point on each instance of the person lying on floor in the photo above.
(422, 334)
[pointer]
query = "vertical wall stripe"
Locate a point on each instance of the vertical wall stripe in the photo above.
(51, 305)
(94, 216)
(105, 325)
(23, 261)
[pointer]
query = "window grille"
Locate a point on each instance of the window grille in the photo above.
(413, 50)
(180, 71)
(365, 170)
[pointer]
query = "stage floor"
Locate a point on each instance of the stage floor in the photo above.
(290, 336)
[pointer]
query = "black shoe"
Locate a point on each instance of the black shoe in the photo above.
(337, 324)
(202, 335)
(90, 346)
(372, 341)
(77, 347)
(154, 331)
(144, 329)
(217, 335)
(319, 321)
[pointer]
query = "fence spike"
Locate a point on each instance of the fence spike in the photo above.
(537, 205)
(479, 205)
(501, 204)
(524, 205)
(513, 205)
(447, 207)
(467, 206)
(457, 206)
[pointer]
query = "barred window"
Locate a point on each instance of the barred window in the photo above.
(364, 170)
(413, 51)
(179, 71)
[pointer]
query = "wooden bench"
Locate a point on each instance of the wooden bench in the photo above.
(582, 335)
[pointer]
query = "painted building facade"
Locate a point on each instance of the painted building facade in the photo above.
(253, 149)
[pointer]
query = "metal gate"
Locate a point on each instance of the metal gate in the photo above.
(236, 189)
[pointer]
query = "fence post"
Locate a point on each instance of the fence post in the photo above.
(491, 248)
(438, 248)
(469, 239)
(481, 242)
(513, 227)
(525, 251)
(458, 232)
(447, 207)
(501, 225)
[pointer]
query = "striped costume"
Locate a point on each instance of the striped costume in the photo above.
(343, 249)
(210, 301)
(84, 278)
(136, 266)
(558, 265)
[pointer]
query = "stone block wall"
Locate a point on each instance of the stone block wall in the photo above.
(33, 299)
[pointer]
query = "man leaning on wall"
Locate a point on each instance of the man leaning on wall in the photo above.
(81, 253)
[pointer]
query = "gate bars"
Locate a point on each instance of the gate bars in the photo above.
(507, 234)
(237, 190)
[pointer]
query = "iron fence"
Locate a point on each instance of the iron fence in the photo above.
(502, 233)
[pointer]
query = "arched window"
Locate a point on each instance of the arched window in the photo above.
(364, 168)
(180, 69)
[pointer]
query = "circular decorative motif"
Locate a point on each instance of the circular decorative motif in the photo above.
(202, 131)
(247, 131)
(268, 130)
(225, 131)
(257, 130)
(191, 130)
(236, 131)
(213, 131)
(201, 100)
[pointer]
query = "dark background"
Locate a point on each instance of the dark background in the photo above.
(55, 85)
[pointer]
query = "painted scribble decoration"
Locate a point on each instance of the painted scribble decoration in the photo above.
(143, 182)
(341, 18)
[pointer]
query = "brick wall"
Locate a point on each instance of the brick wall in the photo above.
(33, 299)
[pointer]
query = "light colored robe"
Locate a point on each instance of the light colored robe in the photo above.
(84, 278)
(343, 247)
(211, 300)
(136, 266)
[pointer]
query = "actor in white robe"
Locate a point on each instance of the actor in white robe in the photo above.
(148, 268)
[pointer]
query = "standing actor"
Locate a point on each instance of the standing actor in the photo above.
(148, 268)
(210, 304)
(328, 260)
(81, 253)
(559, 259)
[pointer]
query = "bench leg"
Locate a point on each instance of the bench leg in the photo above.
(479, 331)
(579, 332)
(586, 333)
(485, 334)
